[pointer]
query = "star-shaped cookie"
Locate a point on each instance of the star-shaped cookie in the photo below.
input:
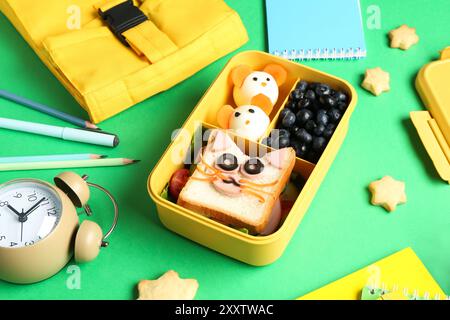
(403, 37)
(168, 287)
(388, 193)
(376, 81)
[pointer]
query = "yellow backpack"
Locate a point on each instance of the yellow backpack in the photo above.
(113, 54)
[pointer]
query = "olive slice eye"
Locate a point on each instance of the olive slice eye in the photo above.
(255, 79)
(268, 79)
(251, 110)
(227, 162)
(253, 166)
(237, 114)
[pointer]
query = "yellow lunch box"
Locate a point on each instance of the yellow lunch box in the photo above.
(254, 250)
(433, 126)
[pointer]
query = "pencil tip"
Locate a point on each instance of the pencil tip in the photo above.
(98, 156)
(130, 161)
(90, 125)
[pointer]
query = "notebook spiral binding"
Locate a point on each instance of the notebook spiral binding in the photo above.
(412, 294)
(330, 54)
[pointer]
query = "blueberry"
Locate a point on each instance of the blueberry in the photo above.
(328, 101)
(304, 136)
(322, 89)
(277, 134)
(313, 85)
(319, 130)
(294, 130)
(283, 133)
(292, 104)
(342, 106)
(310, 125)
(304, 115)
(288, 119)
(334, 114)
(340, 96)
(321, 117)
(284, 142)
(297, 94)
(300, 148)
(292, 95)
(319, 144)
(332, 101)
(304, 103)
(302, 86)
(327, 134)
(275, 142)
(284, 112)
(310, 95)
(329, 130)
(323, 104)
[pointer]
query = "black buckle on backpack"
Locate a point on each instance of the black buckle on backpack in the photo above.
(123, 17)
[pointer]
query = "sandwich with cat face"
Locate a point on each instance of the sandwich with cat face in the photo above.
(235, 189)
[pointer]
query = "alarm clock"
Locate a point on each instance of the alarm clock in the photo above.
(40, 229)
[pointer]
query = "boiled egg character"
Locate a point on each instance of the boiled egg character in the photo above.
(258, 88)
(255, 84)
(249, 122)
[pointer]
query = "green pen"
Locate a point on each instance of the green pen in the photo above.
(80, 135)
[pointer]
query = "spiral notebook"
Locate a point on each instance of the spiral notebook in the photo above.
(401, 276)
(319, 29)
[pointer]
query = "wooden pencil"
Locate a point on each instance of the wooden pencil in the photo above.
(47, 110)
(66, 164)
(56, 157)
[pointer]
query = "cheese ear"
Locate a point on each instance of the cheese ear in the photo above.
(276, 71)
(221, 141)
(279, 157)
(263, 102)
(239, 74)
(224, 115)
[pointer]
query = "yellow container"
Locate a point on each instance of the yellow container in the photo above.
(254, 250)
(433, 126)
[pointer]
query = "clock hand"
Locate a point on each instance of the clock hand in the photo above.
(14, 210)
(37, 204)
(24, 217)
(21, 229)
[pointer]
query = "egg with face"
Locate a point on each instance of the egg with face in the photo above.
(258, 88)
(249, 122)
(256, 84)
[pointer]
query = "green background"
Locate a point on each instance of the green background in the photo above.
(341, 231)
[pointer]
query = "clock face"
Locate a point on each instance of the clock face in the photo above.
(29, 212)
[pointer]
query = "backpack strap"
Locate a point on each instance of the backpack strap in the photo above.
(134, 29)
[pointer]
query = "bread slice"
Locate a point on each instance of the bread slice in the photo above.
(248, 201)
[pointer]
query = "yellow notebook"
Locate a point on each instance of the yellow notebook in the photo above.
(399, 275)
